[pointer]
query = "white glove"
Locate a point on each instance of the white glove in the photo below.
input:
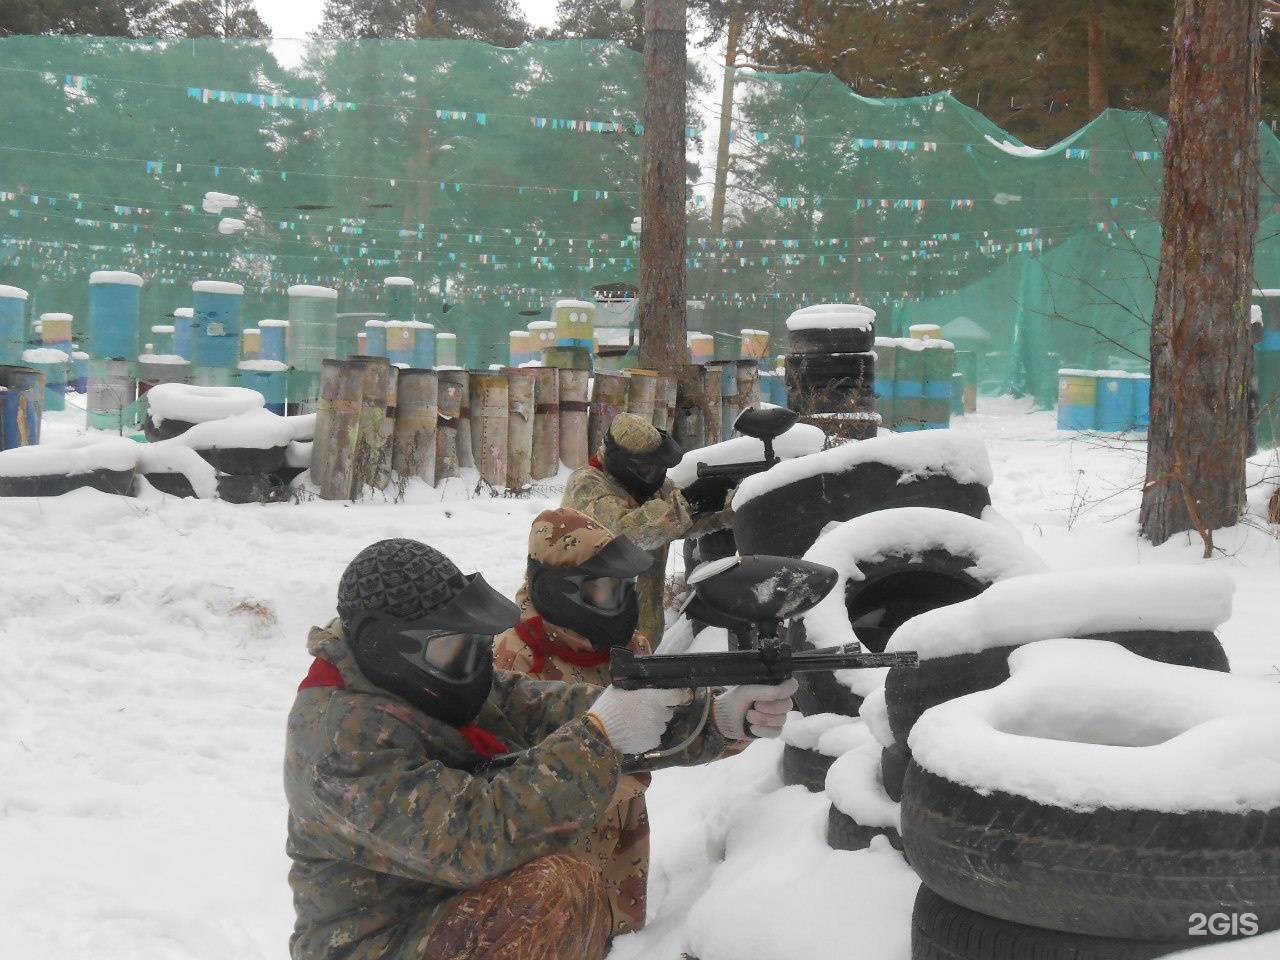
(634, 720)
(753, 709)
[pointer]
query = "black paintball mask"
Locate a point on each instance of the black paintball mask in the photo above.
(597, 598)
(441, 663)
(641, 473)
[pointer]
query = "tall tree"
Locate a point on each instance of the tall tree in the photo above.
(1209, 212)
(491, 21)
(597, 20)
(102, 18)
(213, 18)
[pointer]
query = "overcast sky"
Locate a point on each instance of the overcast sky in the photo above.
(294, 18)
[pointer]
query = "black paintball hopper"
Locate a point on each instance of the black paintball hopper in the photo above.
(761, 589)
(765, 423)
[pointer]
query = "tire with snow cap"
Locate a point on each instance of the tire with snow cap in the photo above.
(893, 770)
(846, 833)
(942, 930)
(819, 340)
(1137, 874)
(119, 482)
(805, 768)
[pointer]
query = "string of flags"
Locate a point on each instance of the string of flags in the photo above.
(205, 95)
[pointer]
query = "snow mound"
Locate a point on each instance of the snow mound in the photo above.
(69, 457)
(853, 784)
(181, 401)
(800, 440)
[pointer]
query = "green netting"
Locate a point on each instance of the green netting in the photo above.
(500, 180)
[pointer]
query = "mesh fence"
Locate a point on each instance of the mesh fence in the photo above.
(500, 180)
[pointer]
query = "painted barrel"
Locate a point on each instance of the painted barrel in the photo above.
(1113, 401)
(162, 339)
(1077, 398)
(114, 301)
(161, 368)
(183, 323)
(753, 344)
(908, 385)
(13, 310)
(542, 335)
(112, 389)
(702, 348)
(925, 331)
(446, 350)
(268, 378)
(79, 371)
(939, 365)
(567, 358)
(886, 351)
(401, 340)
(250, 344)
(375, 338)
(575, 322)
(424, 346)
(520, 347)
(1141, 413)
(53, 365)
(399, 296)
(217, 324)
(55, 331)
(273, 340)
(362, 345)
(21, 405)
(313, 338)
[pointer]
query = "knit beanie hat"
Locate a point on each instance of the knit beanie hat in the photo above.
(402, 578)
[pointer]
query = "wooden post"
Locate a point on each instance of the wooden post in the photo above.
(489, 416)
(373, 447)
(545, 461)
(337, 429)
(642, 389)
(664, 409)
(712, 398)
(413, 451)
(608, 399)
(574, 449)
(521, 387)
(451, 389)
(689, 419)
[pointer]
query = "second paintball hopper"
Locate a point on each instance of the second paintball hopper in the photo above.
(761, 589)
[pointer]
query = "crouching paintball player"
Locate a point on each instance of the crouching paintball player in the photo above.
(409, 839)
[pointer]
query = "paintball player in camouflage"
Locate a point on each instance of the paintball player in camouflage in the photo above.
(624, 486)
(578, 602)
(403, 846)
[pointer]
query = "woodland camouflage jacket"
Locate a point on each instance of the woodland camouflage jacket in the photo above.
(385, 826)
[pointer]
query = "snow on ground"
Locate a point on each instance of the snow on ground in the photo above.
(152, 648)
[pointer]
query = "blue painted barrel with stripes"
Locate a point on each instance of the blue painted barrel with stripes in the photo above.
(114, 309)
(183, 322)
(54, 365)
(375, 338)
(273, 340)
(1140, 415)
(1113, 401)
(908, 385)
(21, 405)
(217, 325)
(1077, 398)
(424, 346)
(268, 378)
(13, 311)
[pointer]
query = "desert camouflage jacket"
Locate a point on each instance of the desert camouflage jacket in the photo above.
(386, 826)
(651, 526)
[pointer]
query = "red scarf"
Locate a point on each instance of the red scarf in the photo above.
(594, 461)
(534, 633)
(325, 674)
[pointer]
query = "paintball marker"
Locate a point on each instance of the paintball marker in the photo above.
(707, 493)
(764, 591)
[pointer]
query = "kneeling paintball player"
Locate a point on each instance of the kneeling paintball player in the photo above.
(408, 840)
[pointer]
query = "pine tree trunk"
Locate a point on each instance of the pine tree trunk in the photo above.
(1209, 213)
(1099, 99)
(663, 330)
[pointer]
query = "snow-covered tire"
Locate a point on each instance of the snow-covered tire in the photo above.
(249, 488)
(55, 467)
(119, 482)
(846, 833)
(174, 484)
(1118, 873)
(805, 768)
(910, 692)
(942, 930)
(818, 340)
(785, 519)
(816, 371)
(893, 770)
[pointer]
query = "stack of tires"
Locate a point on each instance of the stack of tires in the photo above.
(830, 366)
(55, 467)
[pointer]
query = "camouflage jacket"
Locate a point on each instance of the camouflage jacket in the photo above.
(651, 526)
(386, 826)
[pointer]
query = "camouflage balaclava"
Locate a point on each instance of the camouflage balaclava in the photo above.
(568, 548)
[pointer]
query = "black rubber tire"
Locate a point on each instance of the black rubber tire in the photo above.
(119, 482)
(167, 430)
(817, 691)
(805, 768)
(787, 520)
(942, 930)
(909, 692)
(809, 400)
(250, 488)
(245, 461)
(1136, 874)
(831, 340)
(846, 833)
(824, 370)
(174, 484)
(893, 770)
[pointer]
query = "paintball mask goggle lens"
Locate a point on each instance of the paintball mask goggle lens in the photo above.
(456, 655)
(605, 593)
(648, 472)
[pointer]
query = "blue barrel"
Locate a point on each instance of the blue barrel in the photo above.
(79, 370)
(13, 309)
(183, 321)
(375, 338)
(162, 340)
(401, 338)
(217, 325)
(114, 299)
(53, 364)
(268, 378)
(1113, 403)
(1140, 415)
(21, 406)
(273, 338)
(424, 346)
(399, 297)
(1077, 399)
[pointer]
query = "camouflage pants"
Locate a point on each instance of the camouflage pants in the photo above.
(552, 908)
(618, 846)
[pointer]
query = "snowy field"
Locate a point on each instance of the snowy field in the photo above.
(152, 648)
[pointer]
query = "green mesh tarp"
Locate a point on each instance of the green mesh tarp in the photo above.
(500, 180)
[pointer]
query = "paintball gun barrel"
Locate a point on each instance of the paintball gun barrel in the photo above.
(771, 663)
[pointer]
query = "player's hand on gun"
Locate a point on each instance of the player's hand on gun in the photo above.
(754, 709)
(634, 720)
